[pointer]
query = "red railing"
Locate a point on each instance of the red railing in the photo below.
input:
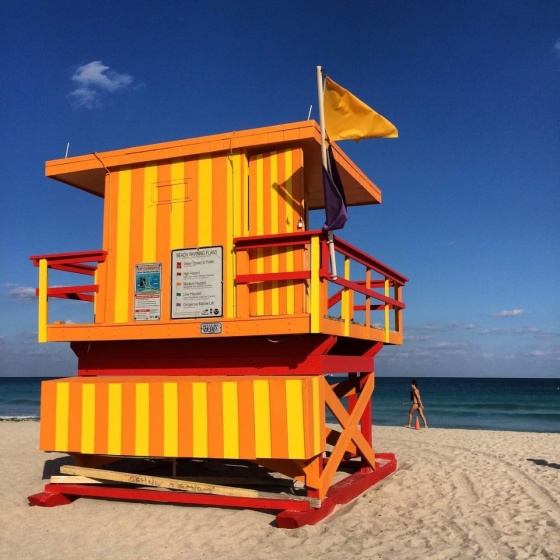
(71, 262)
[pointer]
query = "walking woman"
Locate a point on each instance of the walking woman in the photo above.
(417, 405)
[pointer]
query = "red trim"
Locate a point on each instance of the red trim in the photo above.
(272, 277)
(310, 355)
(68, 258)
(133, 494)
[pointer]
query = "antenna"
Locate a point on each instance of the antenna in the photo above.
(67, 148)
(309, 114)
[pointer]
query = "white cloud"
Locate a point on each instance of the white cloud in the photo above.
(557, 48)
(23, 293)
(94, 80)
(508, 313)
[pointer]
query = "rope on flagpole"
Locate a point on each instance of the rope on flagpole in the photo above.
(320, 92)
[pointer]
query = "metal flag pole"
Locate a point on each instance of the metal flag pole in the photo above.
(330, 236)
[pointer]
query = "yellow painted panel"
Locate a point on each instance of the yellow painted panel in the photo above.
(177, 203)
(122, 255)
(150, 212)
(62, 411)
(115, 419)
(261, 395)
(317, 428)
(88, 418)
(315, 286)
(200, 419)
(142, 440)
(170, 420)
(43, 300)
(205, 201)
(230, 419)
(294, 404)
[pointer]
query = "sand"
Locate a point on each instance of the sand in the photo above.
(457, 494)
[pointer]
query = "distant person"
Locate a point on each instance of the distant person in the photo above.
(417, 405)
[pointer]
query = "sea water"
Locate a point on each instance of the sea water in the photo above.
(525, 405)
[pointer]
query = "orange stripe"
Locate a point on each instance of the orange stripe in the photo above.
(101, 444)
(278, 418)
(191, 202)
(128, 419)
(185, 433)
(220, 235)
(75, 416)
(163, 233)
(215, 420)
(267, 253)
(297, 189)
(137, 217)
(48, 416)
(246, 419)
(283, 227)
(156, 419)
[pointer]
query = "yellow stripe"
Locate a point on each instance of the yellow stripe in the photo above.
(62, 411)
(43, 300)
(230, 419)
(177, 203)
(88, 418)
(387, 320)
(261, 395)
(200, 420)
(316, 417)
(294, 405)
(115, 419)
(315, 285)
(170, 420)
(121, 257)
(290, 291)
(204, 201)
(150, 212)
(345, 300)
(142, 439)
(259, 190)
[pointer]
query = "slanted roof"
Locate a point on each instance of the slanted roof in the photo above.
(88, 172)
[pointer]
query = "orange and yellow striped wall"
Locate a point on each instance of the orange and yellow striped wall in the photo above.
(199, 201)
(237, 417)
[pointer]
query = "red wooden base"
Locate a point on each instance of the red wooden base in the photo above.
(293, 512)
(340, 493)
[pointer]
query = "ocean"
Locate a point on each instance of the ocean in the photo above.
(520, 405)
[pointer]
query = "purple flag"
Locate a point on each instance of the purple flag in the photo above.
(335, 201)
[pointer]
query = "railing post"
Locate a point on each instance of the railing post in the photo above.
(43, 315)
(315, 285)
(368, 298)
(346, 299)
(387, 316)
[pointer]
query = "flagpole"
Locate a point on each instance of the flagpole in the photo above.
(320, 92)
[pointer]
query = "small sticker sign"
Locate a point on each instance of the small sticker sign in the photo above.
(147, 292)
(210, 328)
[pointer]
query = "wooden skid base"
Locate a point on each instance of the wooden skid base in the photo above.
(293, 513)
(340, 493)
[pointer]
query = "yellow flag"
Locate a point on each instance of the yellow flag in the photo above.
(348, 118)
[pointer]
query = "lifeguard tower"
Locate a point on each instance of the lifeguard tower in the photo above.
(217, 323)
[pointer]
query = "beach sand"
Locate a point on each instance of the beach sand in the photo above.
(457, 494)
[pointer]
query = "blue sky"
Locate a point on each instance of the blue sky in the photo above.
(471, 188)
